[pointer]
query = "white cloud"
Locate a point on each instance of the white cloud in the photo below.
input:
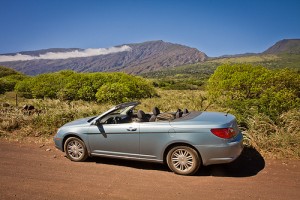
(65, 55)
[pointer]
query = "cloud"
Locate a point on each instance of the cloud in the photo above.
(65, 55)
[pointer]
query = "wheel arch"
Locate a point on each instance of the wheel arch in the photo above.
(170, 146)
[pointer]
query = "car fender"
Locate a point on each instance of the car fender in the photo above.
(172, 143)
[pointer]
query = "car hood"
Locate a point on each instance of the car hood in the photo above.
(79, 122)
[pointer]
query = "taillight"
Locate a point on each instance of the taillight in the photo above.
(225, 133)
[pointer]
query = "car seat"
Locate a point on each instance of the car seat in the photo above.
(141, 116)
(156, 112)
(185, 112)
(178, 113)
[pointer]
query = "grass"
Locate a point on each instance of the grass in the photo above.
(268, 60)
(281, 140)
(275, 140)
(17, 124)
(247, 59)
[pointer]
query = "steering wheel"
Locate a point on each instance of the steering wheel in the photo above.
(116, 120)
(129, 113)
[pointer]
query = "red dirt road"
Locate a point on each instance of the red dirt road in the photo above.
(29, 171)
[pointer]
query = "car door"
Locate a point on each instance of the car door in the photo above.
(118, 140)
(154, 136)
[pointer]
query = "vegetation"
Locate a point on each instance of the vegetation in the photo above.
(196, 75)
(8, 79)
(280, 139)
(270, 61)
(246, 89)
(39, 124)
(5, 71)
(187, 77)
(101, 87)
(69, 85)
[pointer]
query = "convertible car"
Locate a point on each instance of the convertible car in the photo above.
(183, 140)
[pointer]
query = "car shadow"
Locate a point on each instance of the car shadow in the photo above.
(249, 163)
(129, 163)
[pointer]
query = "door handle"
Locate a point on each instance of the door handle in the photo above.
(131, 129)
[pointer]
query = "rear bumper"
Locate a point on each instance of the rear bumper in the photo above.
(223, 153)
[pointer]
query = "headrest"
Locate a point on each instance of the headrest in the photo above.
(141, 114)
(178, 114)
(155, 111)
(185, 111)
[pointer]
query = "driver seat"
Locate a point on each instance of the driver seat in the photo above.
(141, 116)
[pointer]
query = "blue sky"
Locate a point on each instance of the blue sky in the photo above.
(216, 27)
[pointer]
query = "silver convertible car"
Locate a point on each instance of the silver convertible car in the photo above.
(183, 140)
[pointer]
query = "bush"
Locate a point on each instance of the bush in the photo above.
(248, 89)
(24, 88)
(125, 91)
(103, 87)
(5, 71)
(8, 79)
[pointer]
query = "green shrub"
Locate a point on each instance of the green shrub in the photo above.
(125, 91)
(249, 89)
(2, 87)
(5, 71)
(8, 79)
(24, 88)
(69, 85)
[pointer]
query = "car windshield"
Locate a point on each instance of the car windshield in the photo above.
(120, 111)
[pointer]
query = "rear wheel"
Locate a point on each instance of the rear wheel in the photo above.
(183, 160)
(75, 149)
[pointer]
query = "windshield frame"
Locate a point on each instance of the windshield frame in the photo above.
(124, 107)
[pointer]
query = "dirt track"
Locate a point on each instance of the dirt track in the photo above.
(34, 172)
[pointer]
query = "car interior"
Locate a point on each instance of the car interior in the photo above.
(128, 116)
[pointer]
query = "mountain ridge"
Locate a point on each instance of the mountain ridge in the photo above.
(149, 56)
(143, 57)
(290, 46)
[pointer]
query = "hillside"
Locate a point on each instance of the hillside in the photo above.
(155, 59)
(194, 76)
(289, 46)
(141, 58)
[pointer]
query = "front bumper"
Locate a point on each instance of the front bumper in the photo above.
(58, 142)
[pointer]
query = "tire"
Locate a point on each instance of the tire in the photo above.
(183, 160)
(75, 149)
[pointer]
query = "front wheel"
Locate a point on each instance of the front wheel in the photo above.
(75, 149)
(183, 160)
